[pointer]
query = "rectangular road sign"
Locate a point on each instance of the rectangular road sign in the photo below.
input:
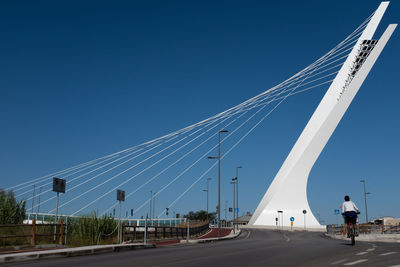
(120, 195)
(59, 185)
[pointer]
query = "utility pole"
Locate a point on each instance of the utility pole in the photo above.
(219, 178)
(365, 200)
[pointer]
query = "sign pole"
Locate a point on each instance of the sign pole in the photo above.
(55, 220)
(119, 222)
(59, 187)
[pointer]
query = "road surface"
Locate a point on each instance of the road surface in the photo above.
(251, 248)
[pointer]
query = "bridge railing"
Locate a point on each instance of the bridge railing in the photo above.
(136, 233)
(31, 234)
(365, 229)
(41, 232)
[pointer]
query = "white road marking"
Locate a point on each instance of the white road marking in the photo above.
(394, 266)
(361, 253)
(370, 249)
(337, 262)
(355, 262)
(387, 253)
(248, 235)
(287, 238)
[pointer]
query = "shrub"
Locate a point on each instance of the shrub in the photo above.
(11, 211)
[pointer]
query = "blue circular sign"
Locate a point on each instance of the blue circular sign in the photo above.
(337, 212)
(291, 219)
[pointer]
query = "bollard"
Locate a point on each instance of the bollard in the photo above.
(33, 232)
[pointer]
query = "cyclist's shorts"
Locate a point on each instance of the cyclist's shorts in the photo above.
(350, 217)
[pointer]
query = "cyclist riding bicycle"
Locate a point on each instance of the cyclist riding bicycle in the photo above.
(350, 211)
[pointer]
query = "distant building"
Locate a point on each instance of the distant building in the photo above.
(390, 221)
(243, 220)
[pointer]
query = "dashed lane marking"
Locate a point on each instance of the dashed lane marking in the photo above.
(387, 253)
(337, 262)
(370, 249)
(394, 265)
(355, 262)
(361, 253)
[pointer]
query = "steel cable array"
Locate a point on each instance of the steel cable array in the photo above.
(319, 73)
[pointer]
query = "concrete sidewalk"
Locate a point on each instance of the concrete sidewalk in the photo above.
(69, 252)
(389, 238)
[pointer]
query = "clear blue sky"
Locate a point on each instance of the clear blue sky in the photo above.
(82, 79)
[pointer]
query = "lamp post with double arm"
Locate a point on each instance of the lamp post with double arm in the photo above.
(365, 200)
(219, 178)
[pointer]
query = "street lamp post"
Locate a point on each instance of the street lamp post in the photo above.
(365, 200)
(207, 190)
(219, 178)
(154, 205)
(237, 193)
(234, 189)
(33, 201)
(151, 202)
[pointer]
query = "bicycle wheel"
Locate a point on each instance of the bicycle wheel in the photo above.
(353, 236)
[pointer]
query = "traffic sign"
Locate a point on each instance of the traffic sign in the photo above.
(59, 185)
(291, 219)
(120, 195)
(304, 211)
(337, 212)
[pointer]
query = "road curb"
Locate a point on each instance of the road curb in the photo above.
(207, 240)
(70, 252)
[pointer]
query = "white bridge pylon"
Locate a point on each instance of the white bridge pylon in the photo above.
(287, 195)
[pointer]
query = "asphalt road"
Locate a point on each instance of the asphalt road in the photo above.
(251, 248)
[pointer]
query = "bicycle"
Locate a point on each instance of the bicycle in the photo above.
(352, 234)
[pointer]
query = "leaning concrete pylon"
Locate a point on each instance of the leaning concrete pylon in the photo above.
(287, 195)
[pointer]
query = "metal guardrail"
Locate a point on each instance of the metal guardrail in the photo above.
(49, 217)
(34, 233)
(365, 229)
(137, 233)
